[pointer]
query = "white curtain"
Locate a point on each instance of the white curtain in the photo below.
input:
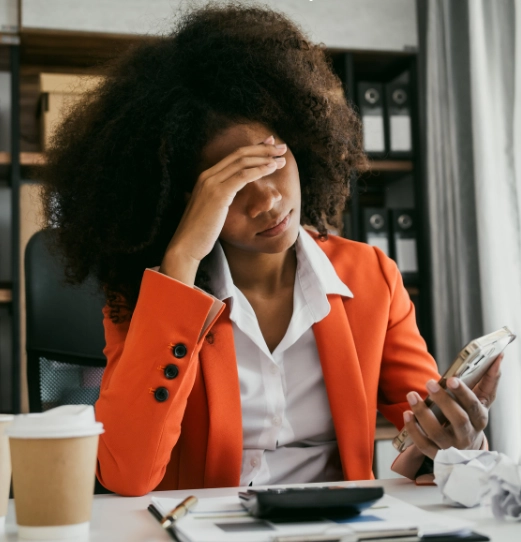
(495, 61)
(455, 276)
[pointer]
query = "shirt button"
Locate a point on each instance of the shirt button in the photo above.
(254, 462)
(276, 420)
(171, 371)
(274, 369)
(161, 394)
(179, 350)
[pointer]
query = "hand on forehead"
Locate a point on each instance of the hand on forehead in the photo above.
(230, 139)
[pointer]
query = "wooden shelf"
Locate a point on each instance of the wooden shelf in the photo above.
(32, 158)
(6, 295)
(394, 166)
(26, 158)
(38, 158)
(44, 47)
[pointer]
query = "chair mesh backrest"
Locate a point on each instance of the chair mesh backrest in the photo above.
(68, 384)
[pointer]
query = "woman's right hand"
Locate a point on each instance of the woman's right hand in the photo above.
(207, 208)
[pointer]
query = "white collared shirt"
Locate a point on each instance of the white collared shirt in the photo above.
(288, 433)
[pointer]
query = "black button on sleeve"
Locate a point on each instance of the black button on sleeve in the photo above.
(171, 371)
(179, 350)
(161, 394)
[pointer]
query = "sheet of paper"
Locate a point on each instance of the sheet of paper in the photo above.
(223, 519)
(390, 512)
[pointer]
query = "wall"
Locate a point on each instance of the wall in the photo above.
(344, 24)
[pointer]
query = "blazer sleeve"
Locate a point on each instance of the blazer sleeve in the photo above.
(406, 362)
(142, 426)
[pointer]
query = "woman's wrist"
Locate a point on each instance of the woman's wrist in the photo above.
(408, 462)
(179, 266)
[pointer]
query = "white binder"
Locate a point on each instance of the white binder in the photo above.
(371, 103)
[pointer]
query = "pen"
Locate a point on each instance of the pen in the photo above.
(155, 512)
(178, 512)
(316, 538)
(389, 535)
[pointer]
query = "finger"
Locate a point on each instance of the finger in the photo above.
(246, 162)
(486, 388)
(423, 443)
(477, 413)
(458, 414)
(430, 425)
(262, 149)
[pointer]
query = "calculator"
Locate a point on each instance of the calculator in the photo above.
(304, 503)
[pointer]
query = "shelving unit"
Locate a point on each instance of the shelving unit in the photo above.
(370, 189)
(10, 178)
(389, 166)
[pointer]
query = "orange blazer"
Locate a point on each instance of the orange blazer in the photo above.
(370, 350)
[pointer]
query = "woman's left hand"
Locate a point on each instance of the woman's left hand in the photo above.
(468, 414)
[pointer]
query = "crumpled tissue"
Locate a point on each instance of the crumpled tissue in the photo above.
(472, 477)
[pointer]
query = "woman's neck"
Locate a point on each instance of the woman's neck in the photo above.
(260, 273)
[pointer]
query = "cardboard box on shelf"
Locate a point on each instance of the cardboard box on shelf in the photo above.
(60, 92)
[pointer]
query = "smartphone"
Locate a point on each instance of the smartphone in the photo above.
(470, 366)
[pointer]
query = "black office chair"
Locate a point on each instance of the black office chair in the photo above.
(64, 337)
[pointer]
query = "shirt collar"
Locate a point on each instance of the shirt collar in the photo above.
(310, 255)
(312, 264)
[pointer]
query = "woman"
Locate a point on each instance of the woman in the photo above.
(254, 352)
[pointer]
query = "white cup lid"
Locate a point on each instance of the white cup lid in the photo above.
(60, 422)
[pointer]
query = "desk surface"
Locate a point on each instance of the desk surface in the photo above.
(118, 519)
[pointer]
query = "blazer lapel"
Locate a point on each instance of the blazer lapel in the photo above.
(345, 389)
(221, 378)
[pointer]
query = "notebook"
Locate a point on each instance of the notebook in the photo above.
(223, 519)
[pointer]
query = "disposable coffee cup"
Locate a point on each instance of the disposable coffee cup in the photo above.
(5, 467)
(53, 458)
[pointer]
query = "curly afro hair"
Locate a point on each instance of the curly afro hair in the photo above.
(121, 162)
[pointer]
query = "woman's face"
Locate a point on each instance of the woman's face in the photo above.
(261, 204)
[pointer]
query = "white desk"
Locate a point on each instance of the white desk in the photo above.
(123, 519)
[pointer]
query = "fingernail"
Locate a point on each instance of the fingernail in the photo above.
(279, 158)
(267, 139)
(453, 383)
(281, 146)
(433, 386)
(412, 398)
(407, 416)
